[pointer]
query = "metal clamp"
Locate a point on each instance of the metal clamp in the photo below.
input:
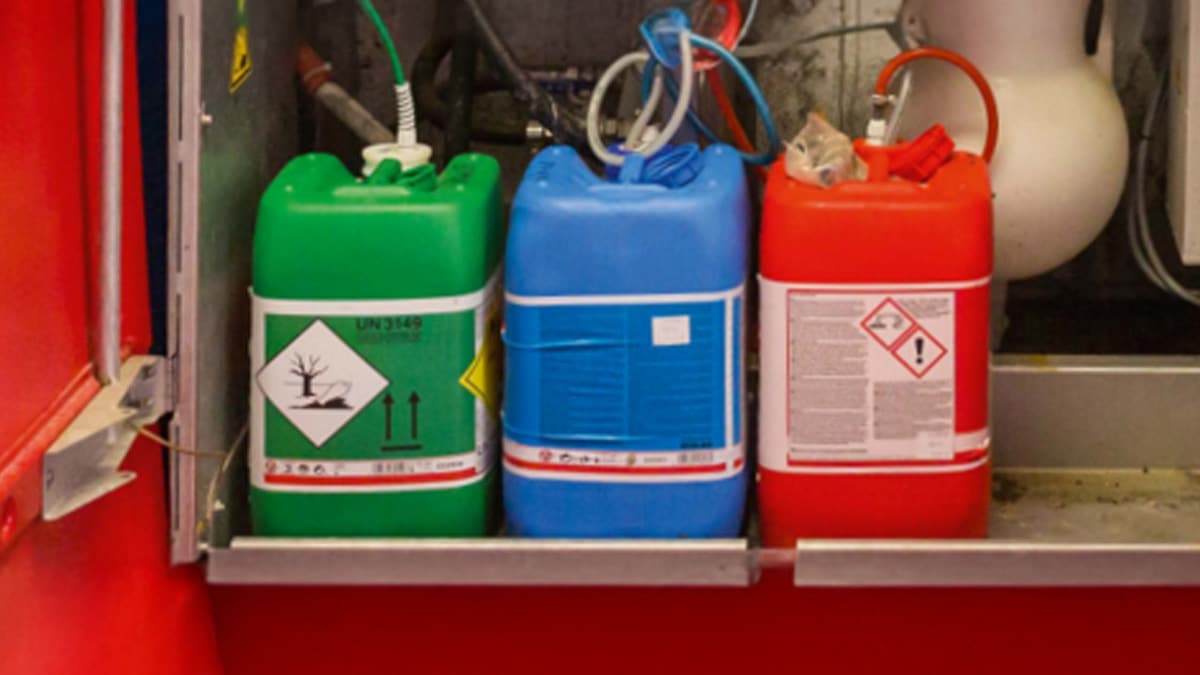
(84, 463)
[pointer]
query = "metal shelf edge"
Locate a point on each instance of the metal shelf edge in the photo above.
(869, 563)
(490, 562)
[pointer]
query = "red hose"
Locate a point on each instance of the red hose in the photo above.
(953, 58)
(725, 33)
(729, 115)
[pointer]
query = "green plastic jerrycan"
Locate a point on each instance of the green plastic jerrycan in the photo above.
(375, 351)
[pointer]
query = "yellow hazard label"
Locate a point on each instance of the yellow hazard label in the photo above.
(239, 72)
(482, 377)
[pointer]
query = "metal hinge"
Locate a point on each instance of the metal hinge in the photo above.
(84, 463)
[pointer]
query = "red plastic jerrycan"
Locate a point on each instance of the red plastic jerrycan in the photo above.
(874, 352)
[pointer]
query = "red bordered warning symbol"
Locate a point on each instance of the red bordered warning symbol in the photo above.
(919, 352)
(895, 329)
(888, 323)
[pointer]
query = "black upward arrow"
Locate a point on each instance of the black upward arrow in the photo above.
(413, 401)
(387, 415)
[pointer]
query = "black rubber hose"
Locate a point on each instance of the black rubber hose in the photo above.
(462, 83)
(564, 126)
(1092, 27)
(431, 107)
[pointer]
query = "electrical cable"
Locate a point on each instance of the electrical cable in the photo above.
(683, 103)
(720, 20)
(432, 107)
(1141, 240)
(760, 102)
(898, 104)
(740, 139)
(1136, 196)
(746, 22)
(985, 90)
(565, 127)
(142, 431)
(226, 459)
(777, 46)
(211, 498)
(595, 142)
(1135, 244)
(729, 115)
(406, 113)
(678, 114)
(385, 36)
(649, 108)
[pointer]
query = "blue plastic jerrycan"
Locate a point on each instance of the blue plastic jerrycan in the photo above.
(624, 313)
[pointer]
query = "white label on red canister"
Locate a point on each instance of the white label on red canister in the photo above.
(858, 375)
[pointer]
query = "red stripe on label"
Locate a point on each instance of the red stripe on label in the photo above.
(965, 457)
(627, 470)
(370, 480)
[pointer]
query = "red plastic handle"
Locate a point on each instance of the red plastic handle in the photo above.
(956, 59)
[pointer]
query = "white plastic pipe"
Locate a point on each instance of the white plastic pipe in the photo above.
(107, 358)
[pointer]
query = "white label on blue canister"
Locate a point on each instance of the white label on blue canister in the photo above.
(630, 388)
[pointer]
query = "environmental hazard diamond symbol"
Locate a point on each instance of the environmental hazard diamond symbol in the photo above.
(319, 383)
(919, 352)
(482, 376)
(887, 323)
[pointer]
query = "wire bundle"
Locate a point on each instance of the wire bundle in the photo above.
(1137, 212)
(657, 60)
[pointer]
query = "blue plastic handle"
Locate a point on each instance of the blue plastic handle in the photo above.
(760, 102)
(660, 31)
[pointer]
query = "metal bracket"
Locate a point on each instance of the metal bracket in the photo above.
(84, 463)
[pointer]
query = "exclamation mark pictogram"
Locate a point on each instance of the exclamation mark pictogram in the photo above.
(920, 344)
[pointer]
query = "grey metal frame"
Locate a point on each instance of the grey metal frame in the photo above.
(1096, 411)
(1072, 435)
(994, 563)
(107, 356)
(183, 141)
(224, 148)
(493, 562)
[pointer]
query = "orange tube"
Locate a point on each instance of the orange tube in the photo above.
(953, 58)
(740, 139)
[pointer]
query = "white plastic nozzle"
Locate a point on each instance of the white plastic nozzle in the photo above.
(406, 116)
(409, 156)
(645, 138)
(649, 135)
(876, 131)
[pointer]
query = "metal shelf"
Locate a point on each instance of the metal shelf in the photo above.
(1064, 522)
(494, 562)
(1049, 528)
(994, 564)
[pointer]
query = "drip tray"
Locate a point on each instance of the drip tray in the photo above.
(1121, 507)
(1048, 528)
(1066, 520)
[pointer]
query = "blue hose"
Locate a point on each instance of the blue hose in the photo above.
(762, 159)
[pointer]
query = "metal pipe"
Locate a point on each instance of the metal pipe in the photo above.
(107, 359)
(351, 113)
(317, 75)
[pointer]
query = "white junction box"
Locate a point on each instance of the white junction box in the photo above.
(1183, 204)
